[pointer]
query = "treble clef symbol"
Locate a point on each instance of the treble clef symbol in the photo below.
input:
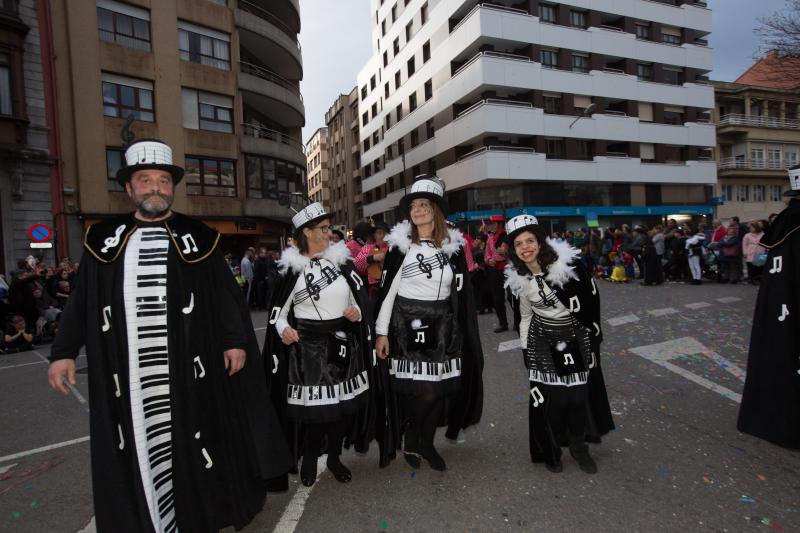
(112, 242)
(313, 290)
(423, 266)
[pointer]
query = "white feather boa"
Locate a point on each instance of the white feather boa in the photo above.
(558, 273)
(291, 258)
(400, 238)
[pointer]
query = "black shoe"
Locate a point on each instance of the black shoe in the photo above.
(308, 472)
(501, 329)
(413, 459)
(556, 467)
(434, 459)
(339, 471)
(585, 462)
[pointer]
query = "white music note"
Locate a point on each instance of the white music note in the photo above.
(538, 397)
(273, 316)
(784, 313)
(596, 328)
(117, 392)
(568, 360)
(777, 264)
(574, 304)
(274, 364)
(106, 318)
(209, 462)
(202, 373)
(342, 351)
(594, 288)
(459, 281)
(121, 438)
(113, 242)
(186, 238)
(594, 361)
(188, 309)
(383, 277)
(356, 279)
(420, 337)
(374, 357)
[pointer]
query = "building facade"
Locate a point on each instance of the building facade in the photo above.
(758, 139)
(344, 157)
(26, 187)
(218, 80)
(568, 110)
(318, 168)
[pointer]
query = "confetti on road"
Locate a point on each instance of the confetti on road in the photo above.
(461, 440)
(745, 499)
(620, 320)
(698, 305)
(384, 524)
(708, 480)
(663, 312)
(762, 477)
(491, 424)
(15, 515)
(413, 475)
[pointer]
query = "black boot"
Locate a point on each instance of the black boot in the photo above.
(580, 452)
(411, 446)
(313, 440)
(428, 434)
(335, 438)
(308, 472)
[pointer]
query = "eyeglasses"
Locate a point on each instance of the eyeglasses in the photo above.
(323, 229)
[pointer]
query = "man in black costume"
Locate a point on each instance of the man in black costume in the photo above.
(771, 401)
(183, 434)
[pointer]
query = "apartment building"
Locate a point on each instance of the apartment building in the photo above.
(318, 170)
(216, 79)
(344, 156)
(758, 139)
(566, 110)
(28, 178)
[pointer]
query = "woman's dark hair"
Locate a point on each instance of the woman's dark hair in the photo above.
(547, 256)
(362, 231)
(300, 240)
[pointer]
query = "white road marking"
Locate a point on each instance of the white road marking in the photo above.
(624, 319)
(90, 527)
(260, 329)
(294, 509)
(76, 392)
(728, 299)
(663, 311)
(4, 469)
(43, 449)
(661, 354)
(505, 346)
(21, 364)
(698, 305)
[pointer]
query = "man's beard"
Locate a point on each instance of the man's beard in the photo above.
(153, 205)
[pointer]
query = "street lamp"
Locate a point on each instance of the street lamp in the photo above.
(589, 110)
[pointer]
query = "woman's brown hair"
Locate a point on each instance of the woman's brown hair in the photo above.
(546, 257)
(439, 227)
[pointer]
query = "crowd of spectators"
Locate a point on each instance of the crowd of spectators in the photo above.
(31, 301)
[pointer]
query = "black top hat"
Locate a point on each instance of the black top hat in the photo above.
(794, 182)
(425, 186)
(520, 223)
(147, 154)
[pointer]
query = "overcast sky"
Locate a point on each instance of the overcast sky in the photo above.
(336, 43)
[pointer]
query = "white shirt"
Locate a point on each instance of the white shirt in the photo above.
(531, 301)
(325, 280)
(425, 275)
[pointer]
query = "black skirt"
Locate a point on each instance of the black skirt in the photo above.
(425, 348)
(559, 351)
(327, 378)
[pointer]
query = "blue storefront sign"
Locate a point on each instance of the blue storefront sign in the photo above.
(585, 211)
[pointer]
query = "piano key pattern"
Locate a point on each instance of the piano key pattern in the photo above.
(422, 371)
(548, 378)
(146, 316)
(315, 395)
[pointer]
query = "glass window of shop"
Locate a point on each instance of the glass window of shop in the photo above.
(266, 177)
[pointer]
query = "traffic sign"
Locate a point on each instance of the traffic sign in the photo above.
(40, 233)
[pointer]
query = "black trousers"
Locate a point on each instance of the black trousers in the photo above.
(557, 416)
(495, 280)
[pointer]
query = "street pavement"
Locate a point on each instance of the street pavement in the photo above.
(673, 357)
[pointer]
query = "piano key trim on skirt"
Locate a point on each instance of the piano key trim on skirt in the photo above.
(315, 395)
(551, 378)
(424, 371)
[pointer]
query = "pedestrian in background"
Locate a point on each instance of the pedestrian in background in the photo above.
(495, 260)
(731, 256)
(694, 252)
(751, 249)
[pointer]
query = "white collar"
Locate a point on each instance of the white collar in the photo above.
(400, 238)
(291, 258)
(558, 273)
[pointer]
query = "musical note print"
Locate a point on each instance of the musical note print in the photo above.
(342, 351)
(190, 307)
(209, 462)
(777, 264)
(784, 313)
(330, 274)
(568, 360)
(117, 392)
(459, 282)
(106, 318)
(113, 242)
(356, 279)
(574, 304)
(187, 248)
(420, 337)
(121, 438)
(313, 290)
(538, 397)
(274, 364)
(424, 267)
(199, 364)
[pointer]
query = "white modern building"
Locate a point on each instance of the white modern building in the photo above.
(566, 109)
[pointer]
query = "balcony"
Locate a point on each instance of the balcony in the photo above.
(741, 163)
(272, 95)
(270, 39)
(737, 121)
(259, 140)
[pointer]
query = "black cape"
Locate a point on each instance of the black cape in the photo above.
(771, 400)
(465, 408)
(233, 415)
(362, 429)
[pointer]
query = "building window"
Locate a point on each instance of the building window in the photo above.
(789, 159)
(414, 138)
(673, 76)
(388, 120)
(577, 19)
(125, 29)
(673, 116)
(424, 13)
(266, 177)
(412, 101)
(397, 80)
(430, 131)
(394, 12)
(409, 30)
(5, 86)
(411, 67)
(386, 89)
(396, 45)
(428, 90)
(554, 148)
(372, 83)
(114, 158)
(580, 63)
(399, 113)
(364, 118)
(549, 58)
(366, 144)
(127, 96)
(204, 46)
(671, 35)
(757, 157)
(210, 177)
(547, 13)
(644, 72)
(727, 193)
(364, 92)
(385, 58)
(643, 31)
(775, 193)
(552, 104)
(585, 151)
(215, 117)
(383, 28)
(374, 110)
(743, 193)
(401, 146)
(759, 193)
(426, 51)
(376, 138)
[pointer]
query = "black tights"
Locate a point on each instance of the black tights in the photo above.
(424, 411)
(313, 444)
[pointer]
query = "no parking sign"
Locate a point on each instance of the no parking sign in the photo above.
(40, 236)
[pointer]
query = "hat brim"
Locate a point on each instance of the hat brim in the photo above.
(405, 202)
(513, 235)
(315, 220)
(791, 192)
(124, 174)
